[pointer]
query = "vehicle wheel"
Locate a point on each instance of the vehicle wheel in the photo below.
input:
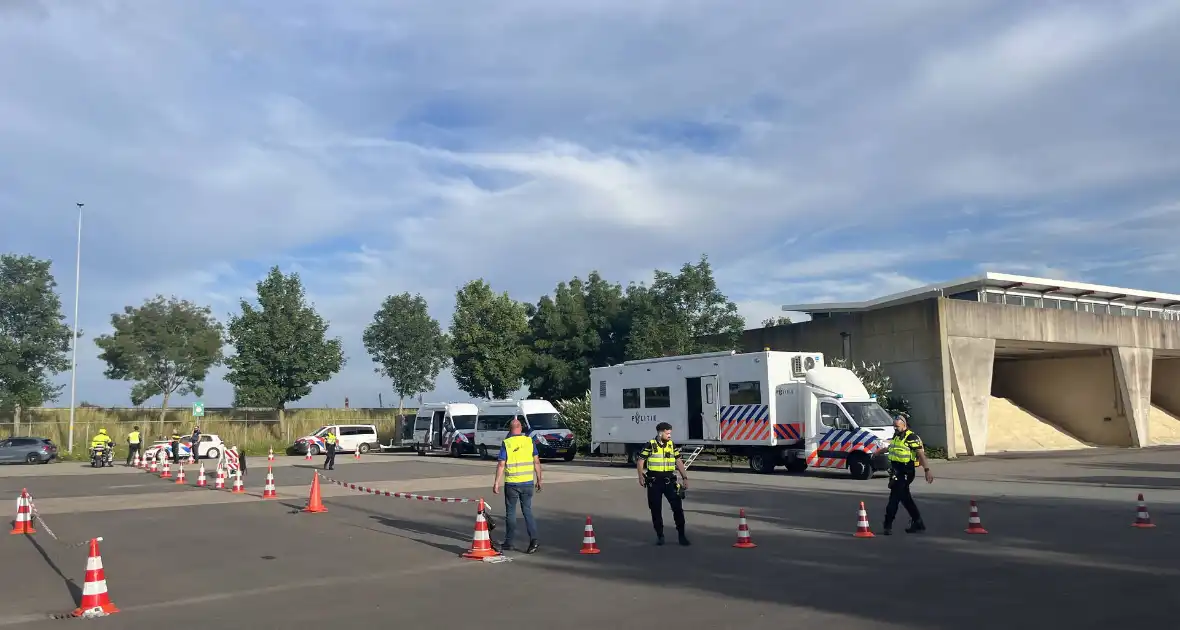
(859, 466)
(483, 451)
(569, 457)
(314, 449)
(363, 449)
(213, 453)
(796, 465)
(32, 458)
(456, 450)
(761, 462)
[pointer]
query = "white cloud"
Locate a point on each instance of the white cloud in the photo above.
(826, 152)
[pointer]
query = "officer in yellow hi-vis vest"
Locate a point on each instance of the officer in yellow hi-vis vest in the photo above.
(520, 468)
(658, 464)
(134, 439)
(330, 450)
(904, 450)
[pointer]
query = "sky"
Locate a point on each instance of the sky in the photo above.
(816, 152)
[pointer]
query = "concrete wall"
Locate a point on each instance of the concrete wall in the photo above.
(1078, 394)
(1165, 385)
(905, 339)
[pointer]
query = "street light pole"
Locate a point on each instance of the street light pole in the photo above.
(74, 362)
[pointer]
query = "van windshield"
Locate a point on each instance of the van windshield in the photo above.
(464, 421)
(321, 432)
(545, 421)
(868, 415)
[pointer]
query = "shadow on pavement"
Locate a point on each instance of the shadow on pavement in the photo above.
(1115, 481)
(1136, 466)
(72, 586)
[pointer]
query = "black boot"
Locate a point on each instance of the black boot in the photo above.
(660, 539)
(887, 530)
(916, 527)
(683, 540)
(533, 544)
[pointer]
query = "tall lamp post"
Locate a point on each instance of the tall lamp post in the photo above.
(74, 361)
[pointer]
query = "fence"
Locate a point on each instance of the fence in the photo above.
(255, 430)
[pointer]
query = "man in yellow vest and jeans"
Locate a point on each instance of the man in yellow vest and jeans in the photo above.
(520, 468)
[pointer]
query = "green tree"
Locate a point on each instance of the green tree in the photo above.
(576, 414)
(34, 340)
(877, 383)
(771, 322)
(487, 341)
(164, 346)
(281, 346)
(408, 344)
(673, 315)
(575, 330)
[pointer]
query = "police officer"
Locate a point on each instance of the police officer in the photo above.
(330, 451)
(904, 450)
(658, 463)
(195, 441)
(133, 442)
(175, 447)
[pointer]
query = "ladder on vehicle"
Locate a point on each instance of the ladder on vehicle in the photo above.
(692, 457)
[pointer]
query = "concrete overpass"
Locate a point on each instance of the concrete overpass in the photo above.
(999, 362)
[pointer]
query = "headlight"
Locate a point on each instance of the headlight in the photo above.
(541, 440)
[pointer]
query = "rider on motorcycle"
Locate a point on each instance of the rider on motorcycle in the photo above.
(102, 439)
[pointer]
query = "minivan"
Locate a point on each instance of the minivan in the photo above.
(445, 427)
(349, 438)
(540, 421)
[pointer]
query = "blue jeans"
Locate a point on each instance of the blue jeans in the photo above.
(521, 493)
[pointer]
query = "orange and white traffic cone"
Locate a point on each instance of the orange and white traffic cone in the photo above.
(180, 478)
(307, 456)
(268, 490)
(155, 467)
(201, 483)
(96, 602)
(743, 536)
(191, 459)
(219, 479)
(589, 544)
(167, 472)
(1142, 518)
(862, 523)
(239, 487)
(357, 454)
(270, 455)
(315, 503)
(481, 542)
(23, 523)
(974, 525)
(135, 461)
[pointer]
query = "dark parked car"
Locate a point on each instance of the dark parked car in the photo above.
(27, 450)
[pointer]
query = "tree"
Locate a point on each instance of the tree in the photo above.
(281, 347)
(575, 330)
(877, 383)
(34, 340)
(576, 414)
(771, 322)
(408, 344)
(673, 315)
(487, 341)
(164, 346)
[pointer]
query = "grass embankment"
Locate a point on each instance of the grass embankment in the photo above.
(255, 437)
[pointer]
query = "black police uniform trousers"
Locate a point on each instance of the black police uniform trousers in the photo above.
(900, 478)
(132, 451)
(330, 457)
(175, 451)
(660, 487)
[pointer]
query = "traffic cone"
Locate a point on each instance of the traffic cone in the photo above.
(270, 455)
(23, 524)
(481, 542)
(589, 544)
(974, 526)
(315, 504)
(219, 479)
(167, 472)
(1142, 519)
(743, 539)
(95, 599)
(239, 487)
(201, 483)
(307, 456)
(269, 491)
(155, 467)
(191, 459)
(862, 523)
(357, 454)
(180, 478)
(135, 461)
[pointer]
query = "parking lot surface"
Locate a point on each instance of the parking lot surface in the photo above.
(1061, 551)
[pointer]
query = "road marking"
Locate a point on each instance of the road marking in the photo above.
(134, 485)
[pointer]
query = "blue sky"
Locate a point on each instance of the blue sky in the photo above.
(816, 151)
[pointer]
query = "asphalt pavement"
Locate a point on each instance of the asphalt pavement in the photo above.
(1061, 550)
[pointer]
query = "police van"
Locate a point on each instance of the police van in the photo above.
(774, 408)
(539, 420)
(445, 428)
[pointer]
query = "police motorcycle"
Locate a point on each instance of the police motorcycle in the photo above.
(102, 455)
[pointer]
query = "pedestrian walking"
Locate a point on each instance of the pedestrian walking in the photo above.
(520, 468)
(659, 461)
(904, 450)
(330, 450)
(134, 440)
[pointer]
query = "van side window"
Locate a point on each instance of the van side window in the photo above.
(422, 423)
(745, 393)
(631, 398)
(832, 417)
(657, 397)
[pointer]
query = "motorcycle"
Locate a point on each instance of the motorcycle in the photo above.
(101, 456)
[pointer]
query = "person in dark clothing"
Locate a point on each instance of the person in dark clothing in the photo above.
(175, 448)
(134, 440)
(195, 441)
(657, 465)
(904, 450)
(241, 460)
(330, 451)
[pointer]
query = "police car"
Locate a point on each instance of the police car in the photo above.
(210, 447)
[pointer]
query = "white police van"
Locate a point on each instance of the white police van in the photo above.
(445, 428)
(540, 420)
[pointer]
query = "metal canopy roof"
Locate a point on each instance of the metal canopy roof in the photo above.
(1001, 281)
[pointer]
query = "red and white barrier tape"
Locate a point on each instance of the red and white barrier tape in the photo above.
(396, 495)
(37, 515)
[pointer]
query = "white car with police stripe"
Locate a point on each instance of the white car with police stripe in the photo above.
(210, 447)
